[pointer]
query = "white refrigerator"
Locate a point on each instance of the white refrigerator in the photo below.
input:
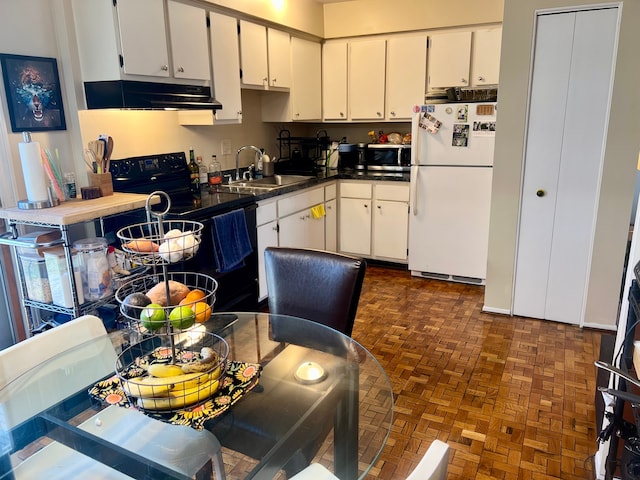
(451, 173)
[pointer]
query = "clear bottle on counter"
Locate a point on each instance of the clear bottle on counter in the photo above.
(258, 164)
(215, 172)
(202, 171)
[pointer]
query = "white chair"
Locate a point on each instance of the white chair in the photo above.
(177, 447)
(315, 471)
(433, 465)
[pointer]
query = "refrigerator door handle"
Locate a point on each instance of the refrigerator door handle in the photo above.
(413, 189)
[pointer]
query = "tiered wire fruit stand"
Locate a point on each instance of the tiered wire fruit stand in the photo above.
(178, 364)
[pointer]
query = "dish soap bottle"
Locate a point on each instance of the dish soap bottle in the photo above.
(194, 174)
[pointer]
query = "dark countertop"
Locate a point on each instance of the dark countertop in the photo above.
(323, 177)
(220, 199)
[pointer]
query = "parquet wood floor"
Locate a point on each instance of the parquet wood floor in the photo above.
(512, 396)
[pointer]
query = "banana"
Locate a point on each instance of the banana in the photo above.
(137, 387)
(208, 359)
(164, 370)
(180, 398)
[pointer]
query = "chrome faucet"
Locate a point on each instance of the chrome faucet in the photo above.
(238, 178)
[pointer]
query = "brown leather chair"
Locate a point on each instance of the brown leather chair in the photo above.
(315, 284)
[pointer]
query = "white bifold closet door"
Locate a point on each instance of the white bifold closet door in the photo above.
(568, 115)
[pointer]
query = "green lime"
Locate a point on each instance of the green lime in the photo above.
(182, 317)
(153, 317)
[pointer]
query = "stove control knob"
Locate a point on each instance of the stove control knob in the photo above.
(124, 168)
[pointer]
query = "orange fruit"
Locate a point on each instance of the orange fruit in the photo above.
(202, 311)
(194, 295)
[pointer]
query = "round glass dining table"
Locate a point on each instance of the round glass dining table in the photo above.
(320, 397)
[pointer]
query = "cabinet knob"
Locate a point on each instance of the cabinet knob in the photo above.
(181, 69)
(164, 67)
(379, 207)
(264, 79)
(239, 112)
(275, 80)
(481, 79)
(393, 114)
(463, 80)
(541, 193)
(341, 114)
(379, 114)
(366, 205)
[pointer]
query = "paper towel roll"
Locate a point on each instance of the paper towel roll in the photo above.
(33, 172)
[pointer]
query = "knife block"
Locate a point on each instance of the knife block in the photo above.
(103, 181)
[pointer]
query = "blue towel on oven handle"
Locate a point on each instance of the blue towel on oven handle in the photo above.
(231, 243)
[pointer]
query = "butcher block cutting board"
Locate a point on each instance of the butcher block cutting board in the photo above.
(78, 210)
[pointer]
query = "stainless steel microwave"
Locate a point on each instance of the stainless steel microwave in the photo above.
(388, 157)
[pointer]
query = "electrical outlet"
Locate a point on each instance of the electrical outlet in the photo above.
(225, 147)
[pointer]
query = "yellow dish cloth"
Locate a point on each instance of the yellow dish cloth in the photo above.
(318, 211)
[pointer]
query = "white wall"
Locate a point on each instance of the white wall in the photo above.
(621, 154)
(367, 17)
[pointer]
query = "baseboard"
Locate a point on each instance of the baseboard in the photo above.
(501, 311)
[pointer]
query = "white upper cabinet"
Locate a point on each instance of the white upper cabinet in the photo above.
(129, 39)
(449, 60)
(334, 80)
(143, 37)
(406, 75)
(279, 58)
(189, 41)
(253, 54)
(306, 88)
(226, 66)
(485, 62)
(367, 79)
(265, 57)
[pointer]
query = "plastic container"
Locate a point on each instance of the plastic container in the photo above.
(59, 278)
(96, 277)
(35, 278)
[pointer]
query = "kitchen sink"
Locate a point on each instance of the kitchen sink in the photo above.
(267, 183)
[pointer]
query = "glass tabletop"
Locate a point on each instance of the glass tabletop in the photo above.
(321, 397)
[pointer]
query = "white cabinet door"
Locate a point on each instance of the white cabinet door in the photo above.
(267, 237)
(355, 225)
(302, 230)
(253, 54)
(334, 80)
(306, 88)
(485, 61)
(226, 66)
(189, 41)
(406, 75)
(331, 225)
(367, 79)
(449, 59)
(143, 37)
(564, 153)
(390, 229)
(279, 58)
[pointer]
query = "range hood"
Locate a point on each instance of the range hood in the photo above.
(148, 96)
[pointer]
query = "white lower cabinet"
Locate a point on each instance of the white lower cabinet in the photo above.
(267, 232)
(331, 218)
(374, 219)
(289, 221)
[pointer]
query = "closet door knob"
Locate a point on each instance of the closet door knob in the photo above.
(541, 193)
